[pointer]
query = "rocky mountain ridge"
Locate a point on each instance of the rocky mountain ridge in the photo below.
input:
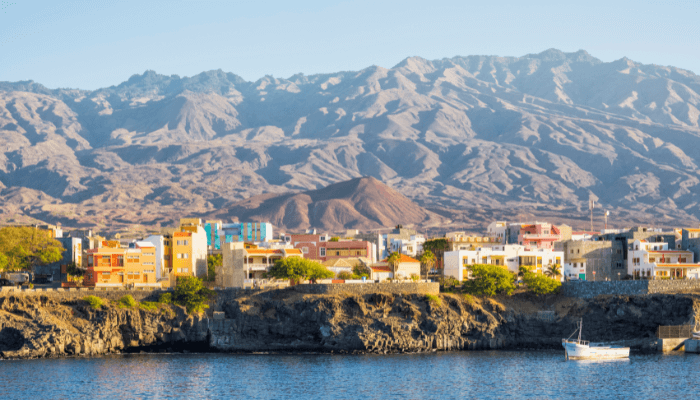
(473, 137)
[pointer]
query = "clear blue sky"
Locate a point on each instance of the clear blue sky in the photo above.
(91, 44)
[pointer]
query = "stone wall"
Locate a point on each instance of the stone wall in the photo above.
(368, 288)
(227, 294)
(587, 289)
(76, 294)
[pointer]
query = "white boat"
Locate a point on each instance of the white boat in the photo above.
(577, 349)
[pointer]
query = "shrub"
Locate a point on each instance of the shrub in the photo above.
(94, 302)
(166, 298)
(433, 299)
(489, 280)
(148, 305)
(469, 299)
(296, 268)
(334, 239)
(191, 293)
(540, 284)
(414, 277)
(344, 275)
(126, 302)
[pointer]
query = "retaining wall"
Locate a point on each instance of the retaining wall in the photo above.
(588, 289)
(226, 294)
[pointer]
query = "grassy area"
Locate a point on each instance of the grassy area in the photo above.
(126, 302)
(94, 302)
(433, 299)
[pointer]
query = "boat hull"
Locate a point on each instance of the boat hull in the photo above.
(585, 352)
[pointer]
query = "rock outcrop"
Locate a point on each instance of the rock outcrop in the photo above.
(278, 321)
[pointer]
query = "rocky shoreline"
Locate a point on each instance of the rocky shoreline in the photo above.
(40, 326)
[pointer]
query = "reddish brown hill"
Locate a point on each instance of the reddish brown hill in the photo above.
(362, 203)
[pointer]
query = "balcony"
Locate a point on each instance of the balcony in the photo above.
(257, 267)
(534, 236)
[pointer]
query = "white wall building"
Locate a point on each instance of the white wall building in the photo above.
(498, 229)
(509, 256)
(654, 260)
(158, 242)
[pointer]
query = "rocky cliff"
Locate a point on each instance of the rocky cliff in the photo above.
(39, 326)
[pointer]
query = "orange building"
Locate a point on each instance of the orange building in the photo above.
(111, 265)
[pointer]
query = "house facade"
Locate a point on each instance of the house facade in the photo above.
(654, 260)
(320, 247)
(510, 257)
(114, 266)
(242, 266)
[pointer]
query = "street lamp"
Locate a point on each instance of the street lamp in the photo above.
(618, 276)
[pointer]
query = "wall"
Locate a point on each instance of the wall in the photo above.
(587, 289)
(226, 294)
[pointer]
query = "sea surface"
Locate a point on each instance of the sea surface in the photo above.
(453, 375)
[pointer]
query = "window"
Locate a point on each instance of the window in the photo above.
(166, 258)
(322, 251)
(305, 250)
(148, 263)
(572, 251)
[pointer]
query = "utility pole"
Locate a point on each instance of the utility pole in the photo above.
(591, 205)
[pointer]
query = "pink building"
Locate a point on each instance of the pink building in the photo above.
(539, 235)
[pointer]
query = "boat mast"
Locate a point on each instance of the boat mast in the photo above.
(580, 328)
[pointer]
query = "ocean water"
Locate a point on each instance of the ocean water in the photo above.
(453, 375)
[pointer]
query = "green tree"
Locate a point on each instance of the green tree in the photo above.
(297, 268)
(438, 247)
(524, 269)
(489, 280)
(213, 261)
(26, 247)
(191, 293)
(553, 271)
(334, 239)
(394, 260)
(427, 261)
(540, 284)
(3, 262)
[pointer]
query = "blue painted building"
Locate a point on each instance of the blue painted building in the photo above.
(219, 233)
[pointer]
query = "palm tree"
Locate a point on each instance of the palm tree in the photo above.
(394, 260)
(553, 271)
(523, 269)
(428, 260)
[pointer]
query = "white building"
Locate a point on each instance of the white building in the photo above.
(410, 247)
(509, 256)
(158, 242)
(653, 260)
(498, 229)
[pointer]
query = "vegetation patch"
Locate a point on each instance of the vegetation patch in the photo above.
(539, 284)
(468, 298)
(433, 299)
(191, 293)
(94, 302)
(126, 302)
(296, 268)
(489, 280)
(166, 298)
(148, 305)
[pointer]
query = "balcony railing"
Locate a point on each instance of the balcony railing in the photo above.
(531, 236)
(257, 267)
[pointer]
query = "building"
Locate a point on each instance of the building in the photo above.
(463, 241)
(320, 247)
(622, 242)
(498, 230)
(593, 259)
(242, 266)
(218, 233)
(654, 260)
(164, 253)
(400, 240)
(114, 266)
(407, 267)
(536, 235)
(511, 257)
(339, 265)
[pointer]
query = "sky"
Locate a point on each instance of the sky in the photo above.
(92, 44)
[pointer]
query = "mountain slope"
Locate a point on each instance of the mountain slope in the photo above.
(362, 203)
(473, 136)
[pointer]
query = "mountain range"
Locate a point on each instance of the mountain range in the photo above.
(469, 138)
